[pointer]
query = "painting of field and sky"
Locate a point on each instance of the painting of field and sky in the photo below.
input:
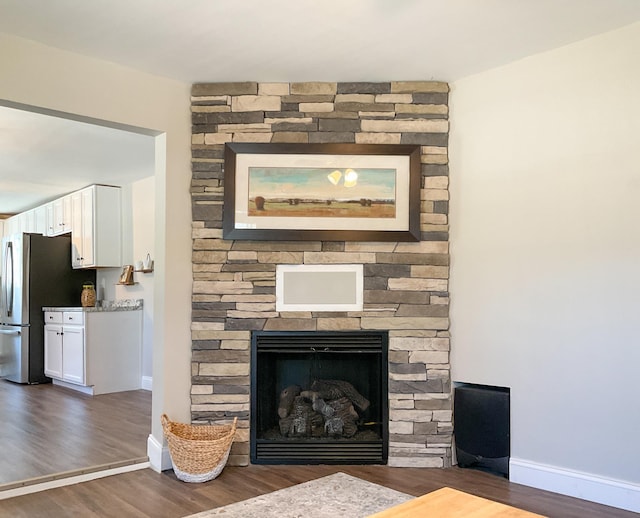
(289, 192)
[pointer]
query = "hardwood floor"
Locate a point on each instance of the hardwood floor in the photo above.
(48, 429)
(146, 493)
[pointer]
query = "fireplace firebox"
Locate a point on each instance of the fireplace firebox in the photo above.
(319, 397)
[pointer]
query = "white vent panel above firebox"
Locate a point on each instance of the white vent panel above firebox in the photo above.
(324, 287)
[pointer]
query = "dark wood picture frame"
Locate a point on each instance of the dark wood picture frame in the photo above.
(407, 200)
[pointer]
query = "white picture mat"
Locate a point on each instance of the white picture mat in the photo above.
(323, 287)
(244, 161)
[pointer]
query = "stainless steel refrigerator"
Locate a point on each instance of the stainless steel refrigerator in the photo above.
(36, 272)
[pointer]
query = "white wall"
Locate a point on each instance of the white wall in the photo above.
(138, 236)
(143, 208)
(52, 79)
(545, 244)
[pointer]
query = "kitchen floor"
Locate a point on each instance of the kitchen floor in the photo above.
(47, 430)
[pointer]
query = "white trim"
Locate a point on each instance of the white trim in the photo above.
(159, 456)
(615, 493)
(68, 481)
(146, 383)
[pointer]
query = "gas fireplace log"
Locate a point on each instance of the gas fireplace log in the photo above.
(320, 405)
(286, 400)
(335, 389)
(345, 412)
(303, 421)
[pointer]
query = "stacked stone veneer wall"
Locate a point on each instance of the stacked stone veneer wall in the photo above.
(406, 284)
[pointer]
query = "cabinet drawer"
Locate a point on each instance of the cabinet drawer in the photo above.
(52, 317)
(73, 317)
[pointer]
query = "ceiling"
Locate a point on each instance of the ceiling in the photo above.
(261, 40)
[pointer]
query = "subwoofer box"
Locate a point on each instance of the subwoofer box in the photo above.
(481, 427)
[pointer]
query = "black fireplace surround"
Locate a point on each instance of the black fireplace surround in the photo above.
(355, 361)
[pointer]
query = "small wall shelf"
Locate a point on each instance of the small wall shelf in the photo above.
(145, 270)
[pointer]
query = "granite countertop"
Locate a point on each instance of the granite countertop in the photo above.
(105, 305)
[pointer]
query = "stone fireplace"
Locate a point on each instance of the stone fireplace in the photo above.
(405, 284)
(319, 397)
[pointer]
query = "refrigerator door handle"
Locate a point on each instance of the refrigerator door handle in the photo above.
(9, 332)
(8, 283)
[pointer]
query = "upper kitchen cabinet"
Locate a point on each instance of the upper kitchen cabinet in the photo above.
(59, 216)
(96, 227)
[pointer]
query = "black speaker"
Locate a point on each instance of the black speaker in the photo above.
(481, 427)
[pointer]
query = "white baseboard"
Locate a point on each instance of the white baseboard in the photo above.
(159, 456)
(614, 493)
(147, 383)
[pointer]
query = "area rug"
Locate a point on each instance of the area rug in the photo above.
(332, 496)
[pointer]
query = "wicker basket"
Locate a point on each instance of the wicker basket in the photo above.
(198, 452)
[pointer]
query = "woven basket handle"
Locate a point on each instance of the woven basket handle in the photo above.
(164, 419)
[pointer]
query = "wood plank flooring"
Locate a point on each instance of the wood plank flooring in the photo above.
(46, 429)
(146, 493)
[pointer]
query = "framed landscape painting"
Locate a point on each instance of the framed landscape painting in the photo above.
(326, 192)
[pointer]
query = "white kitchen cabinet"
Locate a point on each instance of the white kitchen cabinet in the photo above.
(13, 225)
(61, 212)
(50, 219)
(40, 220)
(28, 221)
(96, 227)
(53, 350)
(73, 364)
(64, 347)
(96, 352)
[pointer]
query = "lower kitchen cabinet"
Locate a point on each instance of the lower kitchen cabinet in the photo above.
(95, 352)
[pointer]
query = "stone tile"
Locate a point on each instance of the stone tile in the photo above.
(433, 404)
(434, 259)
(209, 89)
(279, 89)
(394, 98)
(400, 427)
(328, 137)
(313, 88)
(436, 182)
(252, 137)
(338, 125)
(223, 369)
(255, 103)
(431, 357)
(338, 258)
(364, 107)
(253, 324)
(431, 98)
(430, 109)
(364, 88)
(364, 246)
(290, 137)
(434, 194)
(290, 324)
(414, 87)
(338, 324)
(254, 127)
(415, 343)
(412, 284)
(316, 107)
(405, 323)
(377, 138)
(355, 98)
(406, 126)
(422, 310)
(386, 296)
(425, 139)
